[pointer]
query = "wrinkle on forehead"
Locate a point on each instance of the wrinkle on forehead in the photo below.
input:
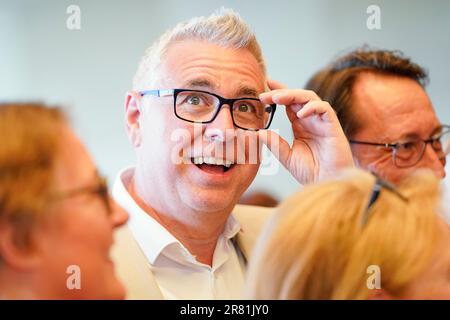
(206, 84)
(189, 61)
(393, 107)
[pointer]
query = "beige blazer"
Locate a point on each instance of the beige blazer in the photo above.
(133, 268)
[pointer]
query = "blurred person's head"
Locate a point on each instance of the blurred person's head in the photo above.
(326, 242)
(380, 99)
(218, 54)
(56, 217)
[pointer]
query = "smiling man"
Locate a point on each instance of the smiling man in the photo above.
(198, 88)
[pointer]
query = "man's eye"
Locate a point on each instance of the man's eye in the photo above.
(244, 107)
(407, 146)
(194, 100)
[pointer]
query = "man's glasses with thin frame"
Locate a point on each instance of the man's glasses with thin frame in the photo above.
(409, 153)
(100, 188)
(198, 106)
(379, 185)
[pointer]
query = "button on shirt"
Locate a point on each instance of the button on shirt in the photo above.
(178, 274)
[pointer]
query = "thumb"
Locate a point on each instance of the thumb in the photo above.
(277, 145)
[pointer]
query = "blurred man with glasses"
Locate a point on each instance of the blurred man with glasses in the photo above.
(380, 100)
(198, 87)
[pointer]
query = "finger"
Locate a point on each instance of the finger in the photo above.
(276, 144)
(292, 110)
(320, 108)
(288, 96)
(273, 84)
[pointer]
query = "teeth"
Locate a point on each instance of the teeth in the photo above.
(214, 161)
(198, 160)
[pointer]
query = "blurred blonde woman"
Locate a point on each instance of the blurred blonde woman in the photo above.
(356, 238)
(56, 216)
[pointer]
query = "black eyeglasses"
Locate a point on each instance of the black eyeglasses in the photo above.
(100, 189)
(378, 186)
(408, 154)
(199, 106)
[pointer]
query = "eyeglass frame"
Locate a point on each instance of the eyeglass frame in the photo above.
(222, 102)
(394, 146)
(101, 189)
(379, 185)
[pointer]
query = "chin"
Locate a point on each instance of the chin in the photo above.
(211, 200)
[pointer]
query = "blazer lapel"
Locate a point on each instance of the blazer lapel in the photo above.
(252, 220)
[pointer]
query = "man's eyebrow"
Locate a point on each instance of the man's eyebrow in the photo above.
(408, 136)
(200, 82)
(246, 91)
(436, 130)
(413, 135)
(242, 91)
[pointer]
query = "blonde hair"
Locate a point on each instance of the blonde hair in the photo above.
(318, 248)
(224, 28)
(30, 142)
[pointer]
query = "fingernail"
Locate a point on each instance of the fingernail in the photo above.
(276, 96)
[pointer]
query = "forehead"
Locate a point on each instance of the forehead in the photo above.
(74, 166)
(392, 107)
(205, 64)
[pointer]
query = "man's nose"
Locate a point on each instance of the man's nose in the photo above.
(222, 128)
(434, 160)
(118, 215)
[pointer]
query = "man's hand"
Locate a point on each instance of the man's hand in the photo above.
(320, 148)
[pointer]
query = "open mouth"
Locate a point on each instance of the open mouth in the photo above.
(212, 165)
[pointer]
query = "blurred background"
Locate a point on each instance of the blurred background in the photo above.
(89, 70)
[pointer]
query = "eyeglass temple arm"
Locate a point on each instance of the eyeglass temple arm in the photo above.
(156, 93)
(386, 145)
(379, 184)
(373, 197)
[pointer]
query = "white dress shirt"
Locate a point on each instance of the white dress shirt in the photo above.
(178, 274)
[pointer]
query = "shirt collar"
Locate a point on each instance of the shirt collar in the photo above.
(150, 235)
(232, 228)
(153, 238)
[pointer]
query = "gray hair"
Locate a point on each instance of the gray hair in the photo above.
(224, 28)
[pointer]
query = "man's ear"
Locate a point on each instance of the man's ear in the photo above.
(15, 252)
(132, 117)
